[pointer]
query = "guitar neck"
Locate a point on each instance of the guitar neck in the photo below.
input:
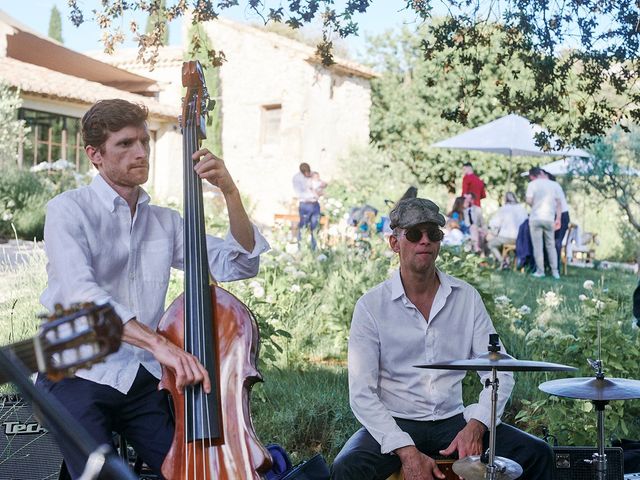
(23, 351)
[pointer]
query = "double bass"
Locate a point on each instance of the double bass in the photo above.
(214, 436)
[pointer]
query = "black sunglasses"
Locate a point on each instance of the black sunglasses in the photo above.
(414, 234)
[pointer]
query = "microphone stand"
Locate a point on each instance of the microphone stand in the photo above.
(102, 462)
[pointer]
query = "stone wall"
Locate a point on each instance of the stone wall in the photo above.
(323, 112)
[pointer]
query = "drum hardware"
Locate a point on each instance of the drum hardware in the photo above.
(600, 391)
(489, 466)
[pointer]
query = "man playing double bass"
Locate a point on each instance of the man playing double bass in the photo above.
(106, 243)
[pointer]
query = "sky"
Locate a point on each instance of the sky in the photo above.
(380, 16)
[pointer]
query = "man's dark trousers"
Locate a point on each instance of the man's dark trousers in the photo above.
(142, 416)
(360, 458)
(309, 213)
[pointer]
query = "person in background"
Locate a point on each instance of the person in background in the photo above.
(453, 236)
(457, 214)
(408, 415)
(474, 219)
(307, 190)
(471, 183)
(504, 226)
(564, 213)
(544, 220)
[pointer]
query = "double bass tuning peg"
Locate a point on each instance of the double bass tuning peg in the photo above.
(211, 104)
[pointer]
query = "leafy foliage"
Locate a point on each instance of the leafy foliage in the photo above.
(614, 171)
(23, 197)
(199, 49)
(11, 129)
(157, 22)
(415, 103)
(588, 46)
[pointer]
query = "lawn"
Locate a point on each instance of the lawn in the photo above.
(303, 302)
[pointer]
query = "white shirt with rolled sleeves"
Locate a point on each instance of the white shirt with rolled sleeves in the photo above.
(97, 252)
(389, 336)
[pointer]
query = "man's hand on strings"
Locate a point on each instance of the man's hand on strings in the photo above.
(186, 367)
(212, 169)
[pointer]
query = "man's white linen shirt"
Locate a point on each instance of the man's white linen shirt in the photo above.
(542, 195)
(97, 252)
(389, 336)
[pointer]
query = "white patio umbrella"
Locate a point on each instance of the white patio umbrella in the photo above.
(510, 135)
(579, 166)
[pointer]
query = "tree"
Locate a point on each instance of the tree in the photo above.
(199, 48)
(157, 23)
(12, 130)
(590, 46)
(55, 25)
(614, 173)
(415, 103)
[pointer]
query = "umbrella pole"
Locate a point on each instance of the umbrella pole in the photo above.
(509, 174)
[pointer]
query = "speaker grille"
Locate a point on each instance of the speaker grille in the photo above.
(569, 463)
(27, 450)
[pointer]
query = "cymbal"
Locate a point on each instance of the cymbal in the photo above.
(591, 388)
(471, 468)
(499, 361)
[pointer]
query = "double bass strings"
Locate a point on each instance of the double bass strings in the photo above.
(199, 271)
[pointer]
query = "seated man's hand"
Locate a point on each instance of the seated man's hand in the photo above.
(416, 465)
(468, 441)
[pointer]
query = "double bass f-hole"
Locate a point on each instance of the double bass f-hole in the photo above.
(214, 436)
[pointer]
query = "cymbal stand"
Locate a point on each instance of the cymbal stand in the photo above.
(599, 459)
(492, 468)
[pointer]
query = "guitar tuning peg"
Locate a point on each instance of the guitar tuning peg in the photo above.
(211, 104)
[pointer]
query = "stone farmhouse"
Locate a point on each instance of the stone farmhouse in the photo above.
(279, 106)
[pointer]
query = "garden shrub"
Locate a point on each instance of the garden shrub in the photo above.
(23, 198)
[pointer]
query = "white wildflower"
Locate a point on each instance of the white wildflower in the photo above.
(321, 258)
(525, 310)
(258, 291)
(502, 300)
(588, 285)
(551, 299)
(290, 270)
(7, 216)
(11, 203)
(600, 305)
(582, 297)
(295, 288)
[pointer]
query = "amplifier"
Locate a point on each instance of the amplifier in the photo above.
(27, 450)
(571, 463)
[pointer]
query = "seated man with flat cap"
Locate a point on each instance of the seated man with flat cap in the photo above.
(421, 315)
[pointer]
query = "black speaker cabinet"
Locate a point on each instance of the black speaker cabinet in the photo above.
(27, 450)
(570, 464)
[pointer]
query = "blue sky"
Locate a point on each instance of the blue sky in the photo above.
(381, 15)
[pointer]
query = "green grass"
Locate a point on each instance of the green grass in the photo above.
(303, 402)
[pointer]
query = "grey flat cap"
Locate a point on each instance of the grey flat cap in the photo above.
(413, 211)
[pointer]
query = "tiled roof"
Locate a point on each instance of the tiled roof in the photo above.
(47, 83)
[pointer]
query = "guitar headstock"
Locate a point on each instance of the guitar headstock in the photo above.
(196, 102)
(76, 337)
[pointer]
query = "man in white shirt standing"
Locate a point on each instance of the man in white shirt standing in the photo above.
(422, 315)
(106, 243)
(307, 187)
(544, 220)
(564, 213)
